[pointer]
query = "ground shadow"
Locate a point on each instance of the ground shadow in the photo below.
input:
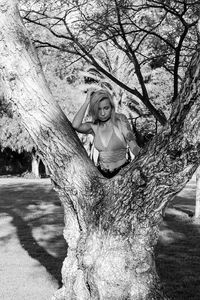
(36, 207)
(52, 264)
(178, 257)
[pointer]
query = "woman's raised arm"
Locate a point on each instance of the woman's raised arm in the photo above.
(77, 122)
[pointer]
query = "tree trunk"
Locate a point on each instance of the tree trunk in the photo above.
(197, 206)
(111, 226)
(35, 166)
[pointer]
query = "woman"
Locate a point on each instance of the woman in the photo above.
(111, 131)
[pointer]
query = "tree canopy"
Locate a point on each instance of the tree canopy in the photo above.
(148, 33)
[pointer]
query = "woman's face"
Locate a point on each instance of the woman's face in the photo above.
(104, 110)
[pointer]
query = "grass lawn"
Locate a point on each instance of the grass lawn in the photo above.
(32, 247)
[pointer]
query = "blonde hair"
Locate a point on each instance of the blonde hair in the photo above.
(95, 99)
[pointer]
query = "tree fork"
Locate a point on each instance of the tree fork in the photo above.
(111, 226)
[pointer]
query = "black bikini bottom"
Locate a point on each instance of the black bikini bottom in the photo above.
(109, 174)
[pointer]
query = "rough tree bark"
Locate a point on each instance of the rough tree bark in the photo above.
(111, 226)
(197, 206)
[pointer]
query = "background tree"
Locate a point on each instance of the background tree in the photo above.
(197, 206)
(111, 226)
(14, 136)
(160, 90)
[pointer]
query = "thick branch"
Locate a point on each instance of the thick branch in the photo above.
(26, 88)
(164, 167)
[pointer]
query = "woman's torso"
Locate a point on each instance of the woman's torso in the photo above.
(112, 147)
